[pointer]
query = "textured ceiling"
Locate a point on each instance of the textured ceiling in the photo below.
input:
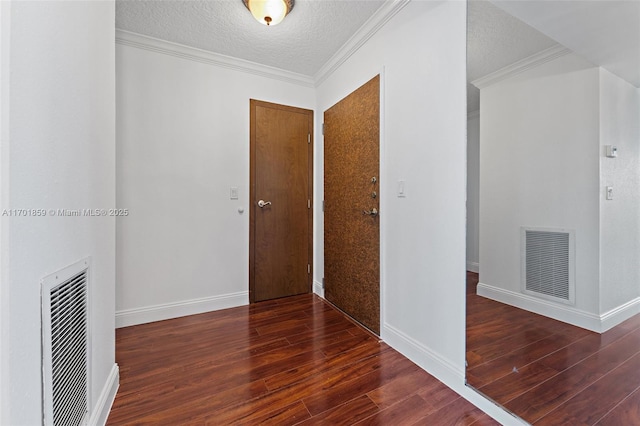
(496, 39)
(302, 43)
(606, 33)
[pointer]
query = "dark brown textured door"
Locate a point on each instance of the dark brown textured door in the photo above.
(351, 192)
(280, 239)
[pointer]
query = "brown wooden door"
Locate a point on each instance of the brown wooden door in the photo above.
(281, 166)
(352, 186)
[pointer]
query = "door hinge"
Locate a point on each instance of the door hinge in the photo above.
(322, 205)
(308, 268)
(308, 204)
(323, 128)
(322, 282)
(309, 138)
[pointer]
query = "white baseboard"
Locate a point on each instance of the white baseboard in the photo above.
(430, 361)
(165, 311)
(473, 267)
(445, 371)
(318, 289)
(568, 314)
(107, 396)
(617, 315)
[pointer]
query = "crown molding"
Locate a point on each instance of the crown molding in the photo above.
(372, 26)
(522, 65)
(128, 38)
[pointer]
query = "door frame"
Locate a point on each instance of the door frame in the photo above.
(252, 189)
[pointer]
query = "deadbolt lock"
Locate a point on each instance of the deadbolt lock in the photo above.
(373, 212)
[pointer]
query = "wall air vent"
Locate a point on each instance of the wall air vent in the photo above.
(548, 259)
(65, 343)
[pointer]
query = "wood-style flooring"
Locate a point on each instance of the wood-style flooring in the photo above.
(288, 361)
(551, 373)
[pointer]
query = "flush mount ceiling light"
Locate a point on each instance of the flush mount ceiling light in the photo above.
(269, 12)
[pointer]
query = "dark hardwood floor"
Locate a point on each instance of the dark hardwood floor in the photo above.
(551, 373)
(288, 361)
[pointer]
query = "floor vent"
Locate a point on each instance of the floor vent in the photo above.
(548, 264)
(65, 338)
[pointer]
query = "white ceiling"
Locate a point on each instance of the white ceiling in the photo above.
(605, 32)
(302, 43)
(496, 39)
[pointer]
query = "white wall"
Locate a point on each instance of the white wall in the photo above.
(543, 137)
(620, 217)
(539, 156)
(422, 51)
(62, 155)
(473, 191)
(183, 141)
(5, 9)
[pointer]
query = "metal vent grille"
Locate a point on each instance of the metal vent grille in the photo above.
(66, 349)
(548, 259)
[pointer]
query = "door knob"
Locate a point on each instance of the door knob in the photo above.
(263, 203)
(373, 212)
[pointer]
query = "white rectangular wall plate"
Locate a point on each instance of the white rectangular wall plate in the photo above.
(609, 192)
(402, 189)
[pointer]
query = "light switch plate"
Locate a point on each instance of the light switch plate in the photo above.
(402, 189)
(609, 192)
(233, 193)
